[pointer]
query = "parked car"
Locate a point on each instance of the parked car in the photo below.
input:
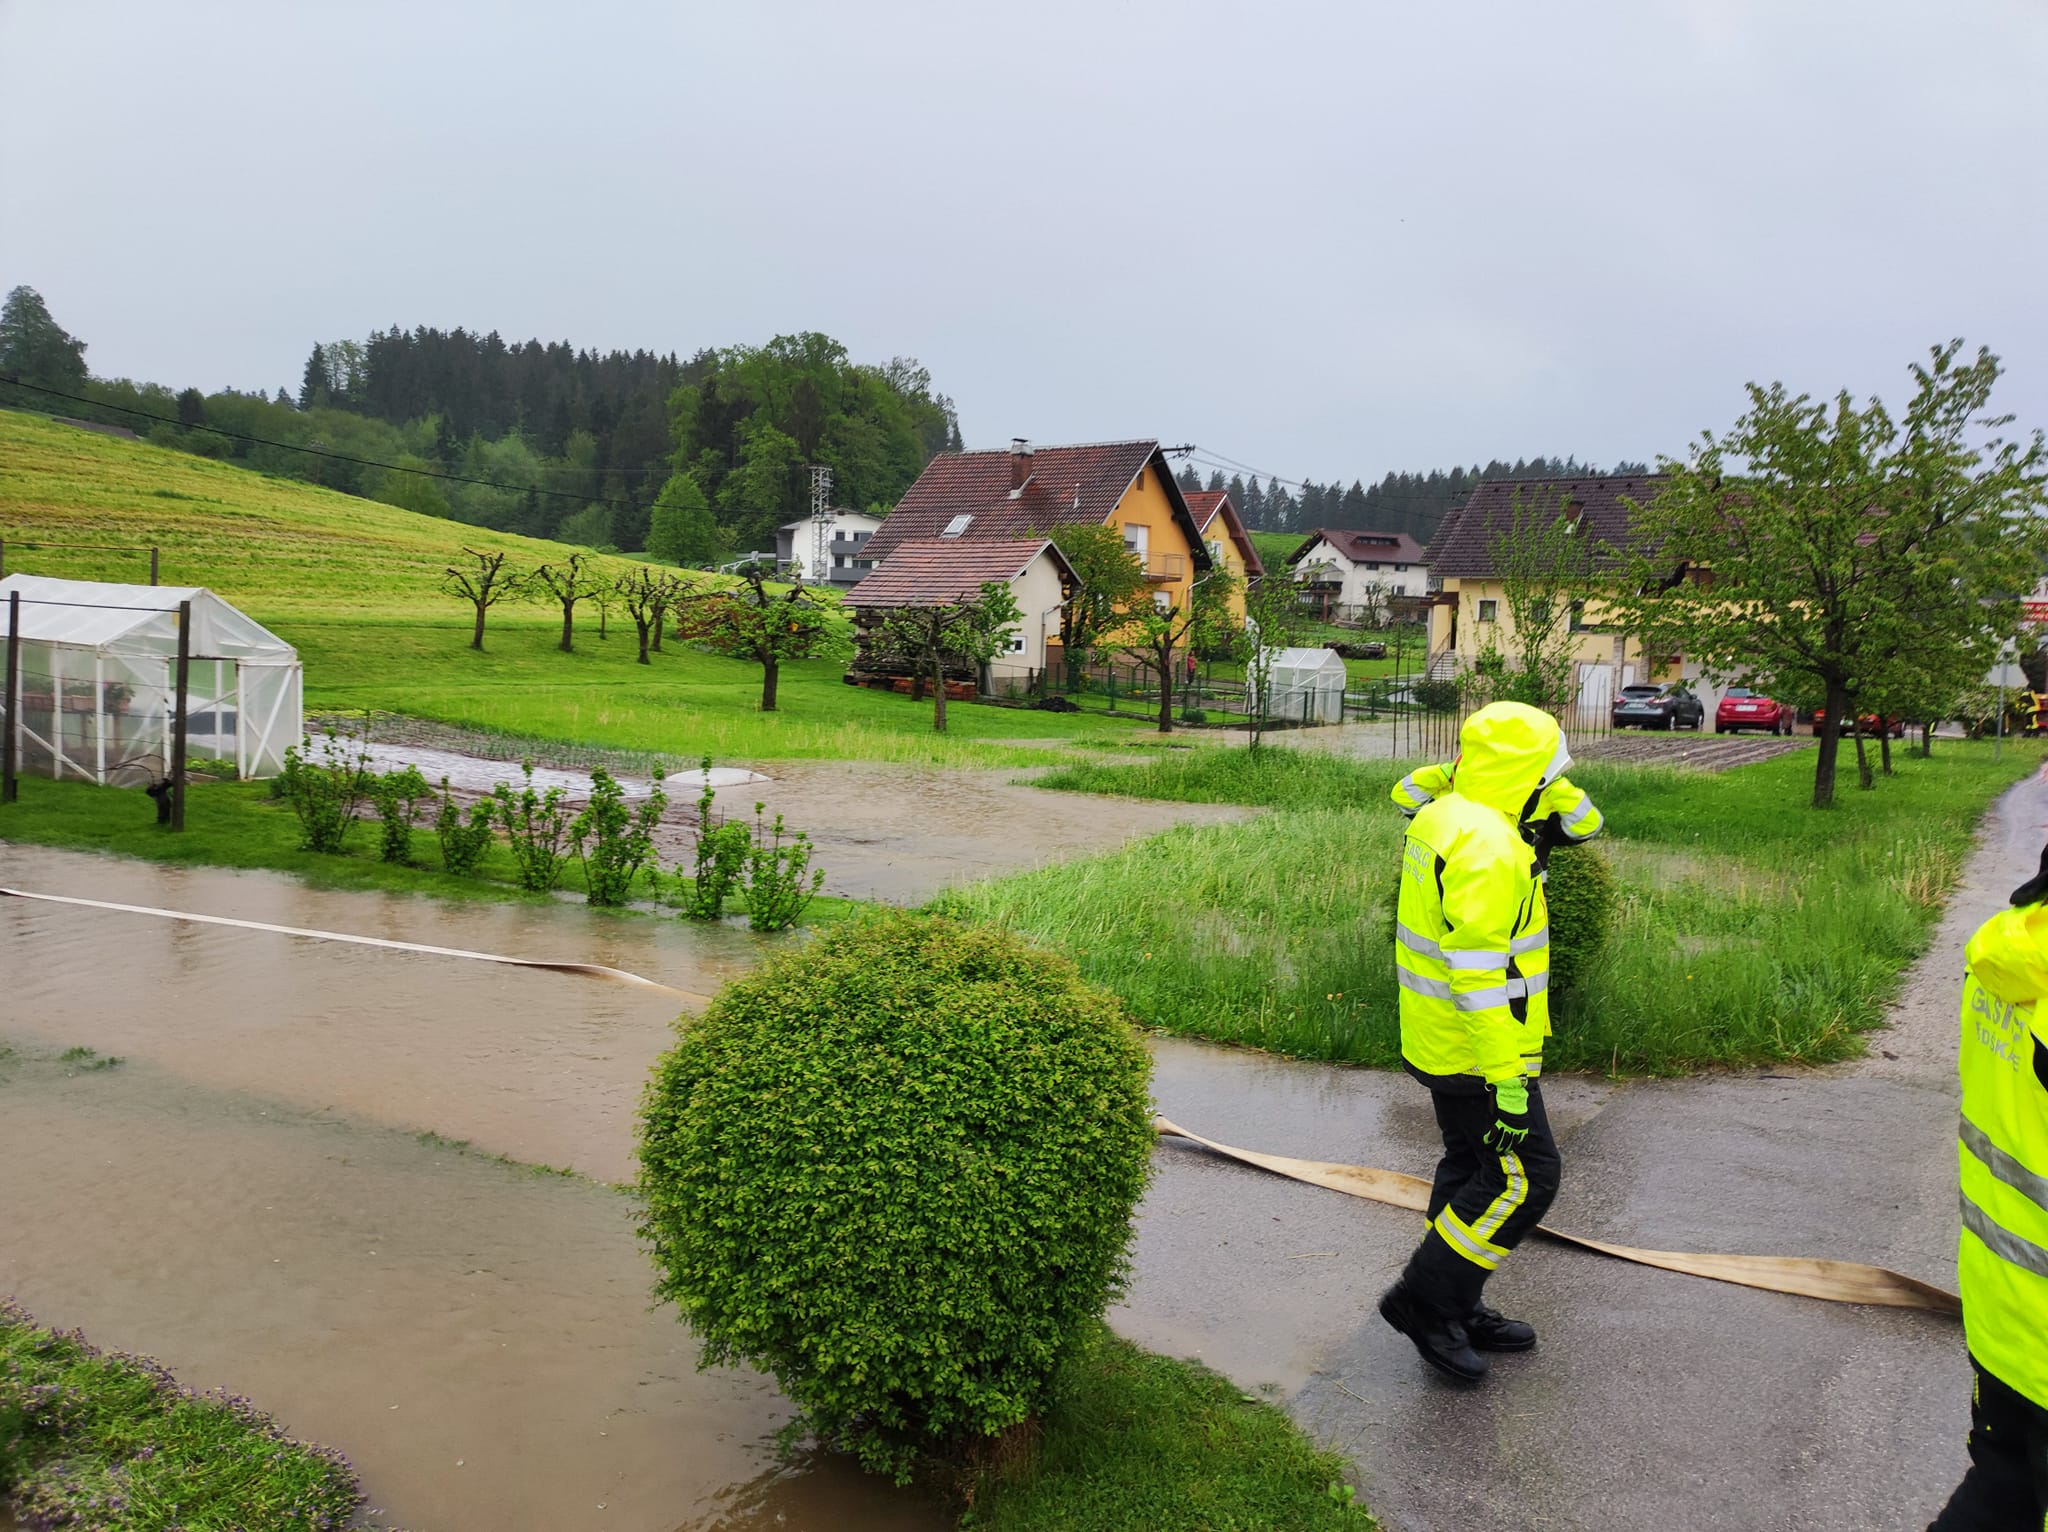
(1893, 724)
(1740, 708)
(1663, 705)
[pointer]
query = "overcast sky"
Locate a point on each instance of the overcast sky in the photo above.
(1324, 239)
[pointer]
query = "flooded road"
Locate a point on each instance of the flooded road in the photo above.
(248, 1197)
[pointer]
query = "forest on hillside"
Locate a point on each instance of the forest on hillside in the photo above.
(690, 460)
(1401, 502)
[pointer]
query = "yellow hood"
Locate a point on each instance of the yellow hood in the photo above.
(2009, 954)
(1507, 752)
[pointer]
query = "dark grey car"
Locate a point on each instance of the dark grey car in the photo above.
(1658, 705)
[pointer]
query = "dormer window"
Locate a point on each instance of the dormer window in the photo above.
(957, 525)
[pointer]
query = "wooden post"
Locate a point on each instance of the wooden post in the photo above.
(9, 788)
(152, 563)
(178, 724)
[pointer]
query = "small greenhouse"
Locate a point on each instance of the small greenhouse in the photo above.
(1306, 685)
(96, 682)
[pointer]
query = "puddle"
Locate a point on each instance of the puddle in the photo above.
(246, 1196)
(474, 774)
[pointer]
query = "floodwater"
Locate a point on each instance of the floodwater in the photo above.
(249, 1198)
(476, 774)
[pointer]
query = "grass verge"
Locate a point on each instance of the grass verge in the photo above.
(1141, 1443)
(238, 824)
(1750, 928)
(94, 1439)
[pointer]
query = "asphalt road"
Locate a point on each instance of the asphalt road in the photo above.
(1653, 1400)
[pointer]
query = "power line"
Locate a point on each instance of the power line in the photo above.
(337, 457)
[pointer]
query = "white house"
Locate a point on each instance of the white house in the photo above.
(938, 571)
(1359, 570)
(846, 535)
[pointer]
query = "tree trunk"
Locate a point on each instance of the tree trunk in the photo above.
(771, 672)
(939, 693)
(1884, 746)
(1864, 779)
(1833, 705)
(477, 640)
(568, 626)
(1926, 741)
(642, 624)
(660, 622)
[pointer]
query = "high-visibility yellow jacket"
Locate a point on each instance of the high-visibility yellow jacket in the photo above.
(1472, 932)
(1576, 814)
(2002, 1264)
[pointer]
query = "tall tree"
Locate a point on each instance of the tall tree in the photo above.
(681, 529)
(1188, 478)
(1821, 548)
(317, 386)
(1107, 579)
(36, 349)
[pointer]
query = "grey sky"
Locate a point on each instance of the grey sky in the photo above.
(1323, 239)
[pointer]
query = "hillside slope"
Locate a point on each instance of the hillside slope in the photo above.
(275, 547)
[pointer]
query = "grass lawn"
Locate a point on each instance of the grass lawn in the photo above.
(93, 1439)
(1138, 1443)
(1751, 928)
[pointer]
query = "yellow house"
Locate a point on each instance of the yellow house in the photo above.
(1026, 492)
(1230, 546)
(1469, 610)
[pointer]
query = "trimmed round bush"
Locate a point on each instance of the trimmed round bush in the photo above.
(896, 1168)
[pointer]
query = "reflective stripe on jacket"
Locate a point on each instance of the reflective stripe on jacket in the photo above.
(2002, 1264)
(1472, 932)
(1576, 814)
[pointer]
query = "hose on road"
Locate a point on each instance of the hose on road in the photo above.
(1802, 1276)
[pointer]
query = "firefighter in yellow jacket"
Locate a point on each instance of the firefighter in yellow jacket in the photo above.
(2002, 1263)
(1472, 957)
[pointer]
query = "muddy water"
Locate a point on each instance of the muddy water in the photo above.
(245, 1196)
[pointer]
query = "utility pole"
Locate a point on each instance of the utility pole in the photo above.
(183, 681)
(821, 522)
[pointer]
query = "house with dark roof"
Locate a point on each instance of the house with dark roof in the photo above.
(1469, 611)
(939, 571)
(966, 500)
(1230, 545)
(1358, 574)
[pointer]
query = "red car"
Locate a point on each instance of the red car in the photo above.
(1873, 726)
(1740, 708)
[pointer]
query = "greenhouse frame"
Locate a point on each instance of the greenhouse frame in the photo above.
(95, 678)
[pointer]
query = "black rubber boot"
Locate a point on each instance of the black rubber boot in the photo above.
(1442, 1342)
(1490, 1330)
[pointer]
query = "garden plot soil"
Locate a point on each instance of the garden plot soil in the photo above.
(1697, 752)
(256, 1194)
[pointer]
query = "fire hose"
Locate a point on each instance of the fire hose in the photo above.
(1802, 1276)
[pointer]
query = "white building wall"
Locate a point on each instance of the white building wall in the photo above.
(842, 526)
(1037, 591)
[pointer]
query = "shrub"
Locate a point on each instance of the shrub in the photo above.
(721, 860)
(1580, 893)
(616, 843)
(537, 829)
(326, 793)
(463, 842)
(776, 888)
(1441, 695)
(896, 1169)
(398, 796)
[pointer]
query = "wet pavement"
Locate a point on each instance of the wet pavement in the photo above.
(250, 1197)
(1654, 1400)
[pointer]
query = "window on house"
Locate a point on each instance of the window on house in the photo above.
(1489, 611)
(1016, 644)
(1163, 599)
(957, 525)
(1539, 614)
(1578, 616)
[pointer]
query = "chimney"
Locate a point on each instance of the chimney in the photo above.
(1020, 462)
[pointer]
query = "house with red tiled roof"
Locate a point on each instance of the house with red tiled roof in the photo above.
(939, 571)
(1230, 545)
(964, 500)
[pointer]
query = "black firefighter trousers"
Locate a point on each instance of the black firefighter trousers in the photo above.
(1482, 1203)
(2006, 1489)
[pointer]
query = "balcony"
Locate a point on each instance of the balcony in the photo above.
(1166, 567)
